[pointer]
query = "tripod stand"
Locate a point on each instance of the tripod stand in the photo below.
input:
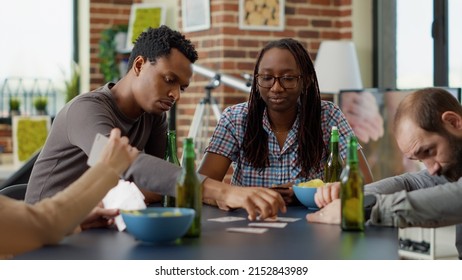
(200, 126)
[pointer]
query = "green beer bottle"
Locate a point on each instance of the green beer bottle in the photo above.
(334, 163)
(188, 187)
(170, 156)
(351, 190)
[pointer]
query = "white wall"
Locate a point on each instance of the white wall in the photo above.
(362, 37)
(84, 44)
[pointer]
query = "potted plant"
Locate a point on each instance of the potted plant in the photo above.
(15, 103)
(109, 66)
(40, 104)
(72, 86)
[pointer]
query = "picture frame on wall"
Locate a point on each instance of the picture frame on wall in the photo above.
(262, 15)
(195, 15)
(142, 16)
(29, 136)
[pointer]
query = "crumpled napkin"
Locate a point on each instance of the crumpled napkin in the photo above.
(125, 196)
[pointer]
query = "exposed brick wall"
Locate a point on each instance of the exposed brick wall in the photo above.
(224, 46)
(6, 145)
(233, 51)
(104, 14)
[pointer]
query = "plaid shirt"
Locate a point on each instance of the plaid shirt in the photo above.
(228, 137)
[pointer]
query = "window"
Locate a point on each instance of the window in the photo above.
(407, 54)
(37, 43)
(414, 50)
(455, 43)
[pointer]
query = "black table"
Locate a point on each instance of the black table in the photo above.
(298, 240)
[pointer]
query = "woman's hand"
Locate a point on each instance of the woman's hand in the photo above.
(258, 202)
(286, 191)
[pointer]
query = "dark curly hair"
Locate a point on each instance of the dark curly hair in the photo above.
(310, 141)
(158, 42)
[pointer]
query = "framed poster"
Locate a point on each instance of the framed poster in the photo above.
(143, 16)
(29, 135)
(195, 15)
(261, 14)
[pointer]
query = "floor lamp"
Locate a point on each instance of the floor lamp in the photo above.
(337, 67)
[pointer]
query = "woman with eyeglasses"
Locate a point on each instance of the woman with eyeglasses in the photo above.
(281, 135)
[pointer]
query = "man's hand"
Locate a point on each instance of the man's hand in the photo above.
(330, 214)
(99, 217)
(326, 194)
(150, 197)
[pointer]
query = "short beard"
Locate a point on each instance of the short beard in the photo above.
(453, 171)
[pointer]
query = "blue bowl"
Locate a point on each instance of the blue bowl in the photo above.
(306, 196)
(158, 224)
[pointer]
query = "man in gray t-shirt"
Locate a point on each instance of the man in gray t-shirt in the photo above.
(160, 68)
(428, 128)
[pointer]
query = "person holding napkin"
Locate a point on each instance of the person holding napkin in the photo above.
(26, 227)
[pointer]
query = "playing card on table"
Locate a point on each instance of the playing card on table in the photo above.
(279, 219)
(226, 219)
(247, 230)
(272, 225)
(286, 219)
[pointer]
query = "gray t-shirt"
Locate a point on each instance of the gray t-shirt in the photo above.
(64, 156)
(418, 200)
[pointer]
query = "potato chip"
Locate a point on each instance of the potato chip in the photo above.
(315, 183)
(170, 214)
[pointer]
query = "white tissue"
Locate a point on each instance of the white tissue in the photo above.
(124, 196)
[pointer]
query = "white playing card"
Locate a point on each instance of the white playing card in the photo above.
(98, 145)
(271, 225)
(247, 230)
(226, 219)
(278, 219)
(285, 219)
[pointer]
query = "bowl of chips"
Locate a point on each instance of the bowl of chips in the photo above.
(304, 191)
(158, 224)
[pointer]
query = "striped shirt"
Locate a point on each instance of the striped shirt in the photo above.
(228, 137)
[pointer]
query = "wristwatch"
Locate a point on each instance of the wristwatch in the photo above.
(369, 201)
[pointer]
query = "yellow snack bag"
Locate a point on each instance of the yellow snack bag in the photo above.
(315, 183)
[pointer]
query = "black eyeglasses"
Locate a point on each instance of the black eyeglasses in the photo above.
(267, 81)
